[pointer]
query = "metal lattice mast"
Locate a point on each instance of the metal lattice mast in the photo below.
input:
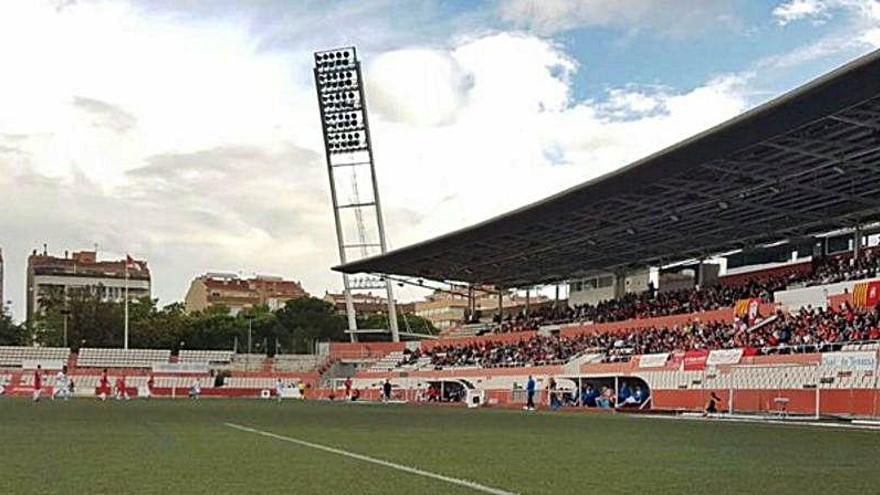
(347, 145)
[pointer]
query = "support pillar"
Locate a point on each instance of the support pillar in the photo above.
(528, 293)
(619, 283)
(472, 303)
(857, 243)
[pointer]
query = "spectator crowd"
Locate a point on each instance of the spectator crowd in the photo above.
(808, 330)
(653, 303)
(844, 268)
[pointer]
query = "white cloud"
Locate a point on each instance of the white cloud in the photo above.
(863, 13)
(858, 30)
(185, 141)
(872, 37)
(667, 17)
(796, 10)
(420, 86)
(520, 136)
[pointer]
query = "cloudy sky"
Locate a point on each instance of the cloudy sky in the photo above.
(185, 132)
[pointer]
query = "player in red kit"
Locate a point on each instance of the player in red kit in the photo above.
(121, 392)
(38, 382)
(150, 386)
(348, 388)
(104, 386)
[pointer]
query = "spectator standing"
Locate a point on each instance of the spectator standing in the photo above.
(386, 390)
(530, 394)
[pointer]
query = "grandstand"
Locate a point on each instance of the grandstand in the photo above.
(795, 169)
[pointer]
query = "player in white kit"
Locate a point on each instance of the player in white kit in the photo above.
(61, 388)
(279, 389)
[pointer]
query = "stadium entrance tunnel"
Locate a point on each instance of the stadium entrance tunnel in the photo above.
(605, 392)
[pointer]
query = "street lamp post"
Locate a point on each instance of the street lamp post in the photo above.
(64, 313)
(250, 333)
(250, 319)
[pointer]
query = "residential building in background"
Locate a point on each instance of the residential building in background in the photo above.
(443, 309)
(236, 293)
(47, 274)
(366, 304)
(448, 308)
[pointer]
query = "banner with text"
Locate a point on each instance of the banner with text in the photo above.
(850, 361)
(653, 360)
(724, 356)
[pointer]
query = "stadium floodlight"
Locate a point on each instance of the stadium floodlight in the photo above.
(341, 99)
(340, 92)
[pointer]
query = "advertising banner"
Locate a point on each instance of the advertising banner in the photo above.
(695, 360)
(850, 361)
(653, 360)
(724, 356)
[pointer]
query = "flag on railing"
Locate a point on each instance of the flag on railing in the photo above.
(866, 294)
(747, 309)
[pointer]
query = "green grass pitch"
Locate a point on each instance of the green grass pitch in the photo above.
(169, 447)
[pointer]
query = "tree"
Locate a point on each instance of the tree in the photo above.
(214, 328)
(10, 333)
(91, 321)
(306, 320)
(156, 328)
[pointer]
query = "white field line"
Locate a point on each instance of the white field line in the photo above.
(855, 425)
(407, 469)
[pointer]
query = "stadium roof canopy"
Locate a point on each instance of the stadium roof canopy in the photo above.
(805, 163)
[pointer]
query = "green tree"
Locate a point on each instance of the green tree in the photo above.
(91, 321)
(156, 328)
(10, 333)
(306, 320)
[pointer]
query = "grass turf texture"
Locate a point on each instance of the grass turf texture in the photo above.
(179, 446)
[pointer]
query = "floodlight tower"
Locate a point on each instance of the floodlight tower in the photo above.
(349, 152)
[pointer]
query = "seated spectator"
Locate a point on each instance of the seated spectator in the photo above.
(639, 395)
(605, 400)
